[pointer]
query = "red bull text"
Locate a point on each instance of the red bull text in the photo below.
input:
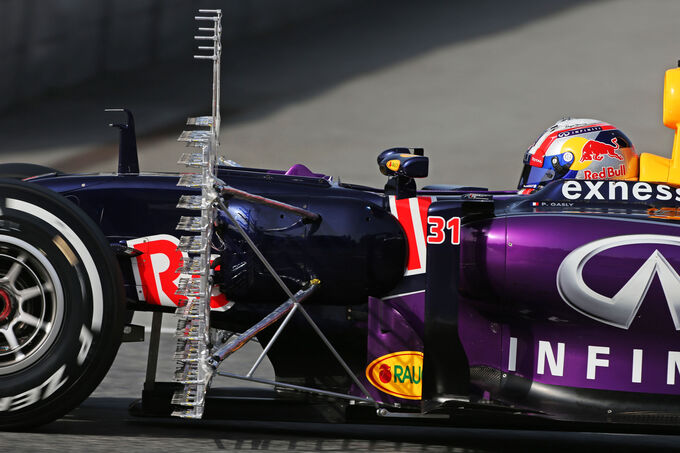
(605, 173)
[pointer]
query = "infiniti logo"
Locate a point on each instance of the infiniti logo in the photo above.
(620, 310)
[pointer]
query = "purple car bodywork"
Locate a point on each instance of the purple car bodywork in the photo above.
(575, 299)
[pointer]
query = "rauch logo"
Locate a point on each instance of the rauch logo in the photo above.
(398, 374)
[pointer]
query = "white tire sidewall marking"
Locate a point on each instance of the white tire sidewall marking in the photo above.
(88, 262)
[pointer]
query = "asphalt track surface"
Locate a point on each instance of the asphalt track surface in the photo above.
(474, 84)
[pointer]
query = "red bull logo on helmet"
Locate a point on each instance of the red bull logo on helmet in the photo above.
(594, 150)
(610, 158)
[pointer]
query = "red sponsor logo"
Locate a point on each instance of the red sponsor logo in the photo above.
(535, 161)
(155, 271)
(605, 173)
(594, 150)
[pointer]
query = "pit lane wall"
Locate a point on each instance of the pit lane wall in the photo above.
(46, 45)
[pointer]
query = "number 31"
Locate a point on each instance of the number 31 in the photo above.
(436, 234)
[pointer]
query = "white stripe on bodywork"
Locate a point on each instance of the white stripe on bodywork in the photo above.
(88, 262)
(402, 294)
(419, 235)
(393, 205)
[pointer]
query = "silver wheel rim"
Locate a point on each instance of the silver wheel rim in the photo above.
(31, 304)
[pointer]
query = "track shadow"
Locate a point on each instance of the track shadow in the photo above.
(106, 420)
(264, 74)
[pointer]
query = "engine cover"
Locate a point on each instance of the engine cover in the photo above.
(357, 250)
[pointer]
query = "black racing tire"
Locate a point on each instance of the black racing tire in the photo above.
(23, 170)
(61, 305)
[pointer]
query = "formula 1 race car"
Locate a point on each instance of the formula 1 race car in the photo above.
(560, 303)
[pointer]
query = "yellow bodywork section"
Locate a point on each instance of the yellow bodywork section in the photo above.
(655, 168)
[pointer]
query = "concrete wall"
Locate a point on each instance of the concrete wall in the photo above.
(46, 45)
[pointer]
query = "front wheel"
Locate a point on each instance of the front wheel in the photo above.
(61, 305)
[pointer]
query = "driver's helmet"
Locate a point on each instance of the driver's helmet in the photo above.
(578, 148)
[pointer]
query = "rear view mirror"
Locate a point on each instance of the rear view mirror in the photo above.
(401, 162)
(402, 165)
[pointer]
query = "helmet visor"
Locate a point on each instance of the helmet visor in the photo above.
(532, 176)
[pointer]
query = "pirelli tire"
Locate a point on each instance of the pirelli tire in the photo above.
(61, 305)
